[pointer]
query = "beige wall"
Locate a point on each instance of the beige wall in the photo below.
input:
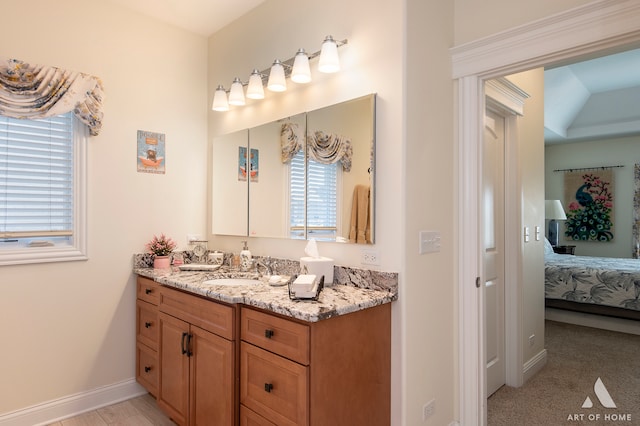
(476, 19)
(68, 327)
(430, 178)
(531, 172)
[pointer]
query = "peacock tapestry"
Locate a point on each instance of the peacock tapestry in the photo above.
(589, 201)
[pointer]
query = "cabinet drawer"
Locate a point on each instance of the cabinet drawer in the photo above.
(249, 418)
(147, 324)
(148, 290)
(283, 337)
(274, 387)
(147, 368)
(207, 314)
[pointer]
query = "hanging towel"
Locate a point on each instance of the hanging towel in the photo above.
(360, 231)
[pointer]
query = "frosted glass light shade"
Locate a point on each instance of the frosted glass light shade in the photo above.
(329, 61)
(277, 82)
(301, 72)
(236, 94)
(220, 102)
(255, 89)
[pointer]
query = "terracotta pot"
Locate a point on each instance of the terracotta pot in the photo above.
(161, 262)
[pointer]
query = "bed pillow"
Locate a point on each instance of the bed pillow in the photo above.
(548, 248)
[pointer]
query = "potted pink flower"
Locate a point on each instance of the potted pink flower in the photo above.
(161, 247)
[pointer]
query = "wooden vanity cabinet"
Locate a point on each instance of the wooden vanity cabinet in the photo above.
(331, 372)
(147, 365)
(197, 353)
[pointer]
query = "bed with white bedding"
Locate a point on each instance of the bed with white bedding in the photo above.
(598, 285)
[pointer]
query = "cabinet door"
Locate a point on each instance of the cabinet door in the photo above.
(212, 380)
(173, 395)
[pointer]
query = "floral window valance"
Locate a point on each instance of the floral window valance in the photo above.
(289, 141)
(37, 91)
(323, 147)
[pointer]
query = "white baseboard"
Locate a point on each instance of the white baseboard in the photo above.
(72, 405)
(534, 365)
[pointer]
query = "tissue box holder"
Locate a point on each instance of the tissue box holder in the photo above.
(312, 297)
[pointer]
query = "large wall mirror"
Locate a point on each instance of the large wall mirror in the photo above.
(306, 176)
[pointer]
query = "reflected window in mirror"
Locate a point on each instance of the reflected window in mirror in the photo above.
(322, 194)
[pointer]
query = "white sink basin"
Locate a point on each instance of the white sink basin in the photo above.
(232, 281)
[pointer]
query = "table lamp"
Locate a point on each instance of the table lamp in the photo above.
(553, 211)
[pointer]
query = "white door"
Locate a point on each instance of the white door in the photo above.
(493, 243)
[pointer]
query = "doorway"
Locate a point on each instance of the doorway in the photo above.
(561, 37)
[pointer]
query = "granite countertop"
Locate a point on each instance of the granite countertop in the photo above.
(338, 299)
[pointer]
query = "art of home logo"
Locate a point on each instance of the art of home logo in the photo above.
(603, 396)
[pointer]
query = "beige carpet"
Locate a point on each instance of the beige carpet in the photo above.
(577, 357)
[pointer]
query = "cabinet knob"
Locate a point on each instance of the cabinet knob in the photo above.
(268, 334)
(147, 291)
(147, 324)
(268, 387)
(147, 369)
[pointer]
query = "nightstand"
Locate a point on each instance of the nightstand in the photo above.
(564, 249)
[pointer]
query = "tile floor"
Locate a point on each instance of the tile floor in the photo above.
(140, 411)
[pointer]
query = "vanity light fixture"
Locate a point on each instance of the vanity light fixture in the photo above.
(255, 89)
(329, 60)
(301, 73)
(277, 81)
(297, 68)
(236, 94)
(220, 102)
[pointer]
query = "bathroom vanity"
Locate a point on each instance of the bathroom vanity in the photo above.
(248, 355)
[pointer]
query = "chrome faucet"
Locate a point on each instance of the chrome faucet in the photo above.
(267, 263)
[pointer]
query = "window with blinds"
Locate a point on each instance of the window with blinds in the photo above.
(38, 186)
(321, 196)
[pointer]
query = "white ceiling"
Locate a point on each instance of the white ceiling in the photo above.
(598, 98)
(203, 17)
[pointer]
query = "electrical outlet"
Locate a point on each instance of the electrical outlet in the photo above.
(370, 257)
(532, 340)
(428, 409)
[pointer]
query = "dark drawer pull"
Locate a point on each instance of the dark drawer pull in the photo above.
(147, 291)
(268, 387)
(147, 324)
(268, 334)
(182, 344)
(189, 337)
(147, 369)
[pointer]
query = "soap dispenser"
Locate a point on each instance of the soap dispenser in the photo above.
(245, 258)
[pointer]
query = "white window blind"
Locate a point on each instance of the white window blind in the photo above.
(36, 177)
(321, 197)
(296, 194)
